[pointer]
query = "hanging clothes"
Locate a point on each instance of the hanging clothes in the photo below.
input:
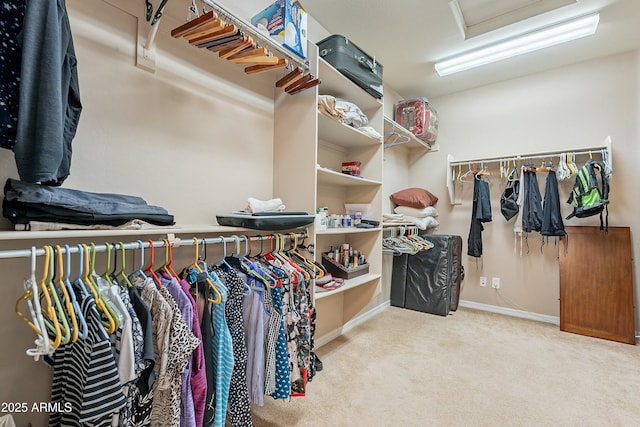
(480, 212)
(238, 411)
(256, 323)
(222, 358)
(532, 207)
(552, 224)
(205, 404)
(49, 108)
(137, 411)
(187, 414)
(85, 375)
(11, 19)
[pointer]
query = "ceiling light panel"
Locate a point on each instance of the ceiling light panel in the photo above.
(529, 42)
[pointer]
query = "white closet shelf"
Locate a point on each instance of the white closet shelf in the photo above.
(328, 176)
(334, 83)
(413, 141)
(191, 230)
(347, 230)
(343, 135)
(349, 284)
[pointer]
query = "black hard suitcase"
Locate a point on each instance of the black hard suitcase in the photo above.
(434, 276)
(355, 64)
(399, 280)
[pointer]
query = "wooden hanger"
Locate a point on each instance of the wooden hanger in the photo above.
(221, 43)
(206, 29)
(304, 86)
(258, 55)
(263, 68)
(194, 24)
(227, 31)
(231, 49)
(297, 82)
(293, 74)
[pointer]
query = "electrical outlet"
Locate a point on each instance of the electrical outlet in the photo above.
(495, 282)
(483, 282)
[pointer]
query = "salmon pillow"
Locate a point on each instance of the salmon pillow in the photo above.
(414, 197)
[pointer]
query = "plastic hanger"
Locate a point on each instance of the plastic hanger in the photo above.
(301, 261)
(139, 271)
(122, 275)
(111, 323)
(43, 343)
(83, 330)
(149, 270)
(68, 297)
(60, 313)
(196, 264)
(168, 260)
(105, 275)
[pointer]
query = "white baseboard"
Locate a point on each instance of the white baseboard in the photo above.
(510, 312)
(361, 318)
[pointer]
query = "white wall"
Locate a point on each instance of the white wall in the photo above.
(571, 107)
(198, 123)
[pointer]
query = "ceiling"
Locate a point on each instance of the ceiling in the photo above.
(408, 37)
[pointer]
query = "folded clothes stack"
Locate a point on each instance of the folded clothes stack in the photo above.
(26, 202)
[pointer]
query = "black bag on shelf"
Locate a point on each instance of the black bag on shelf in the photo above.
(354, 63)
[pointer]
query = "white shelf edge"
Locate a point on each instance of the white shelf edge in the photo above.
(349, 284)
(179, 229)
(414, 141)
(367, 140)
(346, 179)
(346, 230)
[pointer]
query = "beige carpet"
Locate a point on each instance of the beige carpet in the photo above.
(405, 368)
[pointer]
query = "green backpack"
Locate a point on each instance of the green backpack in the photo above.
(586, 197)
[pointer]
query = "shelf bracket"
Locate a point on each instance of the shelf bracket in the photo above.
(146, 46)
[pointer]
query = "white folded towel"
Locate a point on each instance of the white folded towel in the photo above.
(273, 205)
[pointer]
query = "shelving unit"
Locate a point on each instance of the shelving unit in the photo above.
(412, 141)
(338, 143)
(328, 176)
(349, 284)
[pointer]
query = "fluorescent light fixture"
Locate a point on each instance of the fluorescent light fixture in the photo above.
(528, 42)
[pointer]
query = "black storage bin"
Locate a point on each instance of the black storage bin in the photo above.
(399, 279)
(354, 63)
(433, 276)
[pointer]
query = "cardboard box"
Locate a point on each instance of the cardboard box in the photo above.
(286, 22)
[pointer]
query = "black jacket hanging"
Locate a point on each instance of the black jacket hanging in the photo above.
(532, 203)
(481, 212)
(552, 224)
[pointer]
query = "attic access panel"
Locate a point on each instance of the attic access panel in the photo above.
(476, 17)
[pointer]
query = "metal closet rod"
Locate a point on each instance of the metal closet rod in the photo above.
(175, 242)
(249, 28)
(597, 150)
